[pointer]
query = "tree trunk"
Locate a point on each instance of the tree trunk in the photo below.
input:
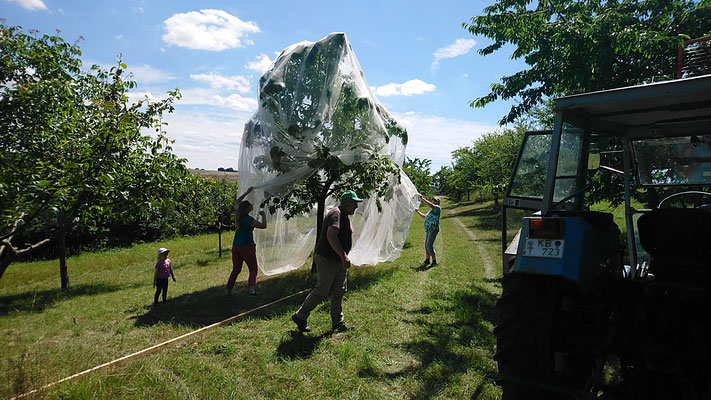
(62, 252)
(496, 200)
(320, 210)
(5, 261)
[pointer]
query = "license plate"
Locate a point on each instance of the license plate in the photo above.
(547, 248)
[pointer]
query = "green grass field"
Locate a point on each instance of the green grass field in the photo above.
(420, 333)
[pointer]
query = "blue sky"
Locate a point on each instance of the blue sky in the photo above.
(422, 64)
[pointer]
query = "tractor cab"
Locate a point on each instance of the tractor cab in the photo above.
(578, 293)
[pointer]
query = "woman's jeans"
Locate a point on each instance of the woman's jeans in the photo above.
(429, 242)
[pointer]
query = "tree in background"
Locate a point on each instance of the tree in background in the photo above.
(441, 180)
(485, 167)
(494, 155)
(72, 145)
(624, 42)
(418, 170)
(464, 173)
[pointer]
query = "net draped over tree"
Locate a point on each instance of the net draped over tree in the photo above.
(319, 130)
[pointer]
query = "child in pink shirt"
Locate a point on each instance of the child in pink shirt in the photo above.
(163, 272)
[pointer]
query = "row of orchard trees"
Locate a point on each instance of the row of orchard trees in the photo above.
(81, 166)
(483, 168)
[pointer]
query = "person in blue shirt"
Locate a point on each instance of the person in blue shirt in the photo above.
(243, 247)
(431, 228)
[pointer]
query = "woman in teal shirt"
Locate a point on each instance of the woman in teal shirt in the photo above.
(243, 247)
(431, 228)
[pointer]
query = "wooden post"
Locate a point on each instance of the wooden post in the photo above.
(219, 239)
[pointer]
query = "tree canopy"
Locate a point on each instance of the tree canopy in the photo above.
(486, 165)
(576, 46)
(418, 170)
(319, 130)
(75, 150)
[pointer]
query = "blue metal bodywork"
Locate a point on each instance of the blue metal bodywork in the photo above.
(588, 253)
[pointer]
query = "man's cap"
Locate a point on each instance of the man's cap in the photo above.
(350, 195)
(162, 250)
(436, 199)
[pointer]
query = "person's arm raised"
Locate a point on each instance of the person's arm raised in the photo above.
(240, 198)
(429, 203)
(260, 224)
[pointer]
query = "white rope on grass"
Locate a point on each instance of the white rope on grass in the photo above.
(156, 347)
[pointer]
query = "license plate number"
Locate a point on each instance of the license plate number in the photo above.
(547, 248)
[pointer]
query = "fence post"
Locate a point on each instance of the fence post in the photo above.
(219, 239)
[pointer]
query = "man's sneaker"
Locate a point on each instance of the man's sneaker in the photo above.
(342, 327)
(300, 323)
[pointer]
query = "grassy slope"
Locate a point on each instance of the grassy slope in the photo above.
(420, 333)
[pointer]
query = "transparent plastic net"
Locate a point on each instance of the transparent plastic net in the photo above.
(315, 93)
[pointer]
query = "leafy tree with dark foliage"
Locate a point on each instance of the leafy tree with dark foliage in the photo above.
(418, 170)
(576, 46)
(72, 144)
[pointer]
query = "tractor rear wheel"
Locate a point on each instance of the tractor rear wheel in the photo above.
(525, 334)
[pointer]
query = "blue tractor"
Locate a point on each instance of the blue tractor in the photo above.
(585, 311)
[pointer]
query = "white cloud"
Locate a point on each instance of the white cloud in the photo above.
(261, 65)
(146, 74)
(203, 96)
(456, 49)
(30, 4)
(218, 81)
(207, 140)
(209, 29)
(413, 86)
(434, 138)
(135, 97)
(118, 37)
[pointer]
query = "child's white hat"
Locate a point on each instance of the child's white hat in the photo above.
(162, 250)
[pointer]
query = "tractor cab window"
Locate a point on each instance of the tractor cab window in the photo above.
(684, 160)
(529, 178)
(568, 171)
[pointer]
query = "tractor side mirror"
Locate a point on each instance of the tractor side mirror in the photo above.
(593, 158)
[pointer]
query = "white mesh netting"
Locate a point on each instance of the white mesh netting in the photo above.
(315, 96)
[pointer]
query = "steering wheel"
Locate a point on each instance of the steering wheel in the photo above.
(680, 196)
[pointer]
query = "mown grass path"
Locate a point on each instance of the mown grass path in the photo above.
(421, 333)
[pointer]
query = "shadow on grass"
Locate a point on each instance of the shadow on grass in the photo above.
(363, 278)
(444, 349)
(424, 267)
(211, 305)
(487, 218)
(299, 345)
(38, 301)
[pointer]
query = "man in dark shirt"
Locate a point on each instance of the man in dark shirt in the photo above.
(332, 263)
